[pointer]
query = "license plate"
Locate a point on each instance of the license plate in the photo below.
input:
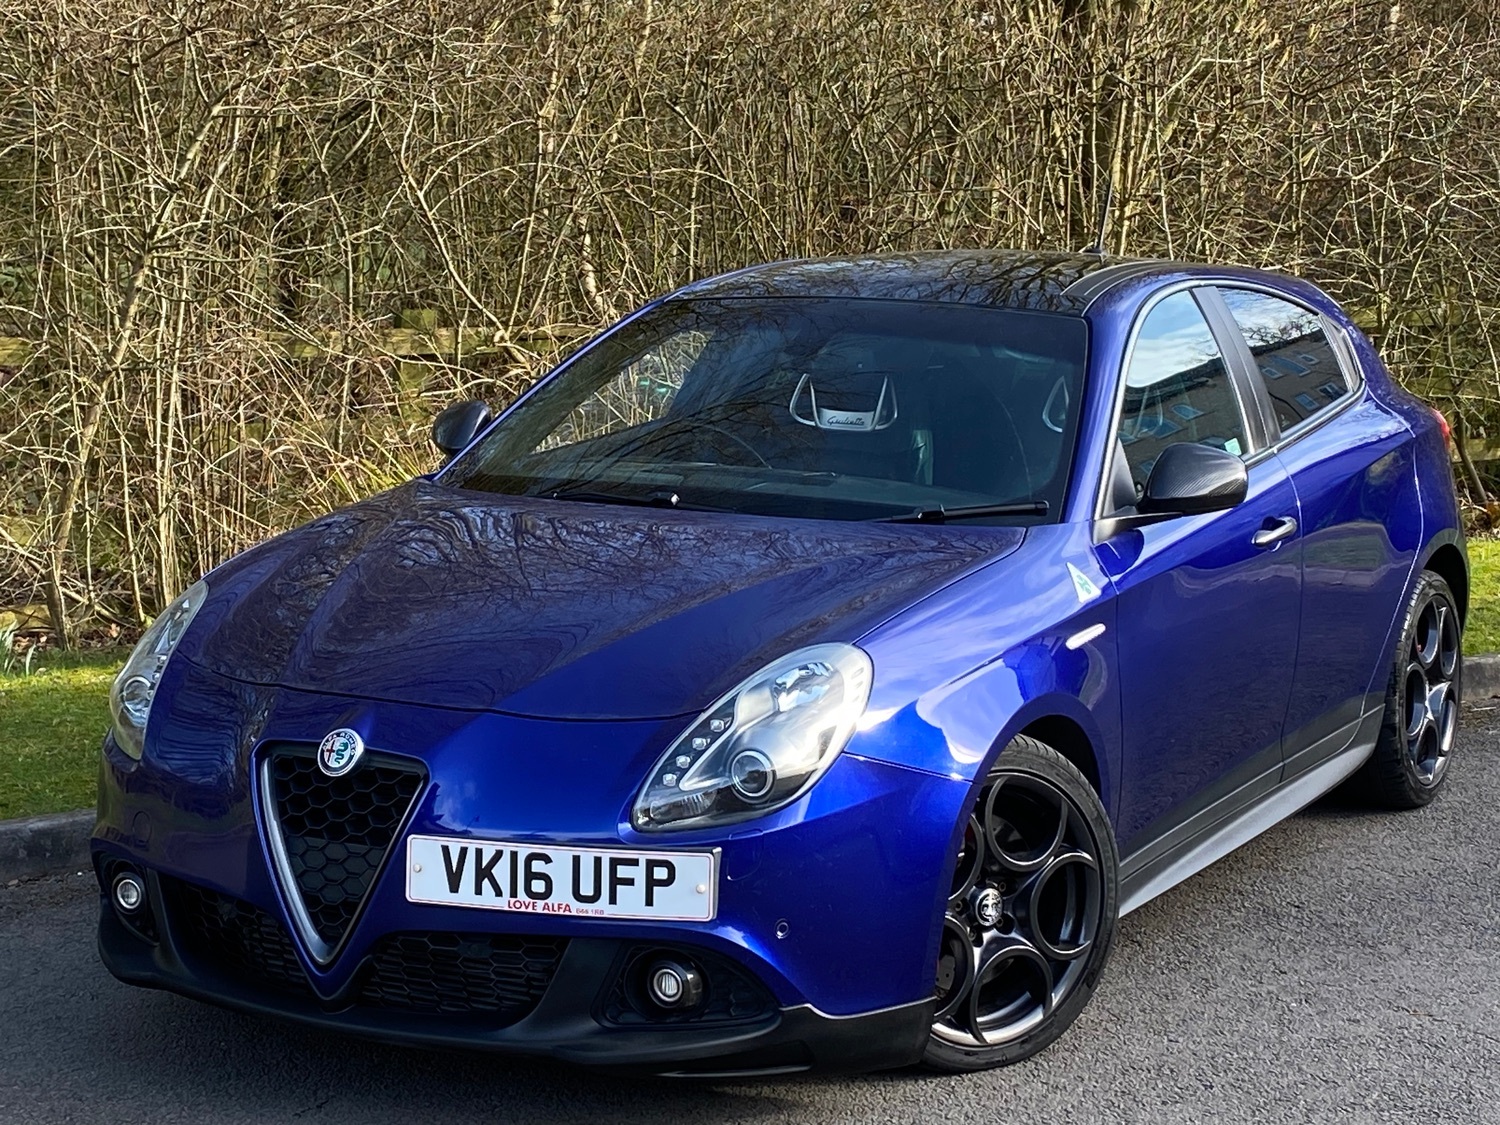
(541, 879)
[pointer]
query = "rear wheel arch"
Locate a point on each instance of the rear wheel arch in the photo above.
(1409, 763)
(1448, 562)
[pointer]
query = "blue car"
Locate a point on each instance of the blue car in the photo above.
(809, 672)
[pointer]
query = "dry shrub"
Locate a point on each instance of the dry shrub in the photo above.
(214, 217)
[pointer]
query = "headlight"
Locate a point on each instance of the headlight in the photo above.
(761, 745)
(135, 687)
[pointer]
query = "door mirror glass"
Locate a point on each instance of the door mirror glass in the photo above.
(1189, 478)
(459, 424)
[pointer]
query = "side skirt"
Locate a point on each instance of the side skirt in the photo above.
(1144, 877)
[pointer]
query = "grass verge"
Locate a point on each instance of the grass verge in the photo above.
(52, 719)
(1482, 633)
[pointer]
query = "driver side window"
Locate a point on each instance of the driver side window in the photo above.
(642, 392)
(1177, 388)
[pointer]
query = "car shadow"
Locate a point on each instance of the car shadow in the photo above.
(1340, 805)
(268, 1069)
(1347, 802)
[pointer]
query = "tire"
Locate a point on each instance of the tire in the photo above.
(1410, 762)
(1031, 915)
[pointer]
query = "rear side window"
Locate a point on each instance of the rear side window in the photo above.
(1177, 388)
(1295, 356)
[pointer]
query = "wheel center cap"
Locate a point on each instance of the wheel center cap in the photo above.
(988, 906)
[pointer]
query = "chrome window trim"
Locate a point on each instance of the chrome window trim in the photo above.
(1101, 486)
(1262, 428)
(1320, 419)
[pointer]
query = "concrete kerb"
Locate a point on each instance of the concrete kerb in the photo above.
(1481, 677)
(45, 845)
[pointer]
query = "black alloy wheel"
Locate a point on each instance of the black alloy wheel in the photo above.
(1031, 913)
(1422, 700)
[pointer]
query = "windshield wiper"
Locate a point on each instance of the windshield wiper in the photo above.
(940, 514)
(654, 500)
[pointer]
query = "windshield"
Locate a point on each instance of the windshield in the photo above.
(829, 409)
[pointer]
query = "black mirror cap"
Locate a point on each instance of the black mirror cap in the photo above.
(1188, 479)
(459, 424)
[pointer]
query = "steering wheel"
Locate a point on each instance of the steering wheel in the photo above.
(696, 424)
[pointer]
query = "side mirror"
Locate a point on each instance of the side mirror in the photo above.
(458, 424)
(1188, 479)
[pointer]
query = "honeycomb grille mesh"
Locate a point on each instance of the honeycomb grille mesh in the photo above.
(238, 938)
(337, 830)
(495, 978)
(460, 974)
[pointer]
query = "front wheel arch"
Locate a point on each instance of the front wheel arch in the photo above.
(1042, 719)
(1071, 726)
(1025, 760)
(1069, 739)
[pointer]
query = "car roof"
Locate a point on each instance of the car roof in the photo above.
(1021, 279)
(1018, 279)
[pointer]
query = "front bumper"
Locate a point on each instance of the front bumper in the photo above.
(154, 952)
(830, 907)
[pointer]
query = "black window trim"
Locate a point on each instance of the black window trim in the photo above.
(1241, 361)
(1233, 364)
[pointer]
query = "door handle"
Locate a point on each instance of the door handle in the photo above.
(1284, 528)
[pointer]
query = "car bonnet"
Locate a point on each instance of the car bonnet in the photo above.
(437, 597)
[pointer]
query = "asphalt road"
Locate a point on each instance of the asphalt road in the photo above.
(1344, 967)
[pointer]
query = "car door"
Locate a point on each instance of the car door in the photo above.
(1208, 604)
(1351, 462)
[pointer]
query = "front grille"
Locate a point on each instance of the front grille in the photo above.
(337, 830)
(460, 974)
(499, 978)
(236, 938)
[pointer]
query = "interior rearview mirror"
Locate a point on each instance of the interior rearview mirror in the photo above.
(459, 424)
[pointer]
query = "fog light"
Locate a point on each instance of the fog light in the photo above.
(129, 894)
(673, 985)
